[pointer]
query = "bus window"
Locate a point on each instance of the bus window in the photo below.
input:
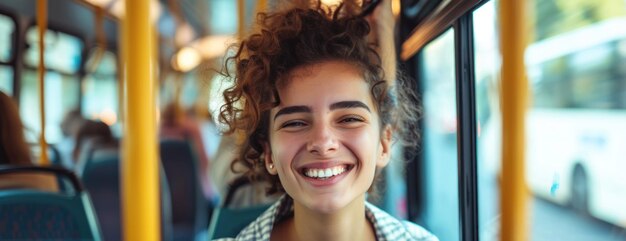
(63, 57)
(100, 91)
(6, 79)
(489, 130)
(63, 51)
(7, 35)
(7, 30)
(438, 83)
(576, 121)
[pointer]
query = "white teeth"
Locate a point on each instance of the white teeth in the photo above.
(325, 173)
(328, 173)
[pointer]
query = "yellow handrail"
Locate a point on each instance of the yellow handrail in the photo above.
(513, 98)
(101, 40)
(241, 18)
(42, 25)
(139, 163)
(261, 6)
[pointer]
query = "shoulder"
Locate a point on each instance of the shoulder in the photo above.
(418, 232)
(390, 228)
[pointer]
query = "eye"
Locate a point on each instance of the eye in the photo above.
(293, 124)
(351, 119)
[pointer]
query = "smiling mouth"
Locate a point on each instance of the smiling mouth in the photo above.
(325, 173)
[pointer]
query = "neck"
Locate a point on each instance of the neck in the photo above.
(349, 223)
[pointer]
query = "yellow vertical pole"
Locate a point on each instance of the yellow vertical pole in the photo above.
(513, 195)
(42, 25)
(121, 74)
(241, 18)
(261, 6)
(139, 165)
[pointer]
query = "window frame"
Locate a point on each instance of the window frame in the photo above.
(15, 51)
(457, 14)
(80, 73)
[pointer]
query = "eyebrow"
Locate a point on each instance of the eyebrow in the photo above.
(349, 104)
(292, 109)
(334, 106)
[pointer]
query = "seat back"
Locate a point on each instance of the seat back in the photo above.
(30, 214)
(101, 177)
(228, 221)
(189, 210)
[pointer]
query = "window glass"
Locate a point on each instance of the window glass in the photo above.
(62, 51)
(489, 131)
(100, 90)
(576, 65)
(6, 79)
(221, 18)
(7, 30)
(61, 96)
(438, 83)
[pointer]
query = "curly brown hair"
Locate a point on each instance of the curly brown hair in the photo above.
(289, 39)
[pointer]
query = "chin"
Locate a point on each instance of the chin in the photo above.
(326, 205)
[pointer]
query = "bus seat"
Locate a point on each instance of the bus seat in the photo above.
(189, 209)
(30, 214)
(90, 151)
(228, 221)
(101, 177)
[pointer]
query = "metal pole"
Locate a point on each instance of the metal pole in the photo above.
(139, 163)
(241, 18)
(42, 25)
(513, 194)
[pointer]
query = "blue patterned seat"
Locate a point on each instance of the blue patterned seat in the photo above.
(228, 221)
(190, 212)
(101, 177)
(29, 214)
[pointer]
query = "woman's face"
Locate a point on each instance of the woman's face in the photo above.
(325, 137)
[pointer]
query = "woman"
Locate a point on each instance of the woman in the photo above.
(310, 95)
(14, 151)
(98, 133)
(13, 146)
(175, 124)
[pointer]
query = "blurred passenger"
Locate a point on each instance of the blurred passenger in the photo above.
(70, 125)
(13, 146)
(175, 124)
(318, 116)
(210, 134)
(95, 133)
(14, 150)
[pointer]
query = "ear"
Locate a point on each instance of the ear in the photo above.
(269, 161)
(384, 154)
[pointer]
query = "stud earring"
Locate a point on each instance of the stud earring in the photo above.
(271, 166)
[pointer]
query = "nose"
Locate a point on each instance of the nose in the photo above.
(322, 140)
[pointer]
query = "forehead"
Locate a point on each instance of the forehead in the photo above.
(326, 81)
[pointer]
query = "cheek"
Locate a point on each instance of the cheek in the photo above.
(284, 148)
(364, 144)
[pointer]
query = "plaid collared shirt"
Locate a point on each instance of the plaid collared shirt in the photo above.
(385, 226)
